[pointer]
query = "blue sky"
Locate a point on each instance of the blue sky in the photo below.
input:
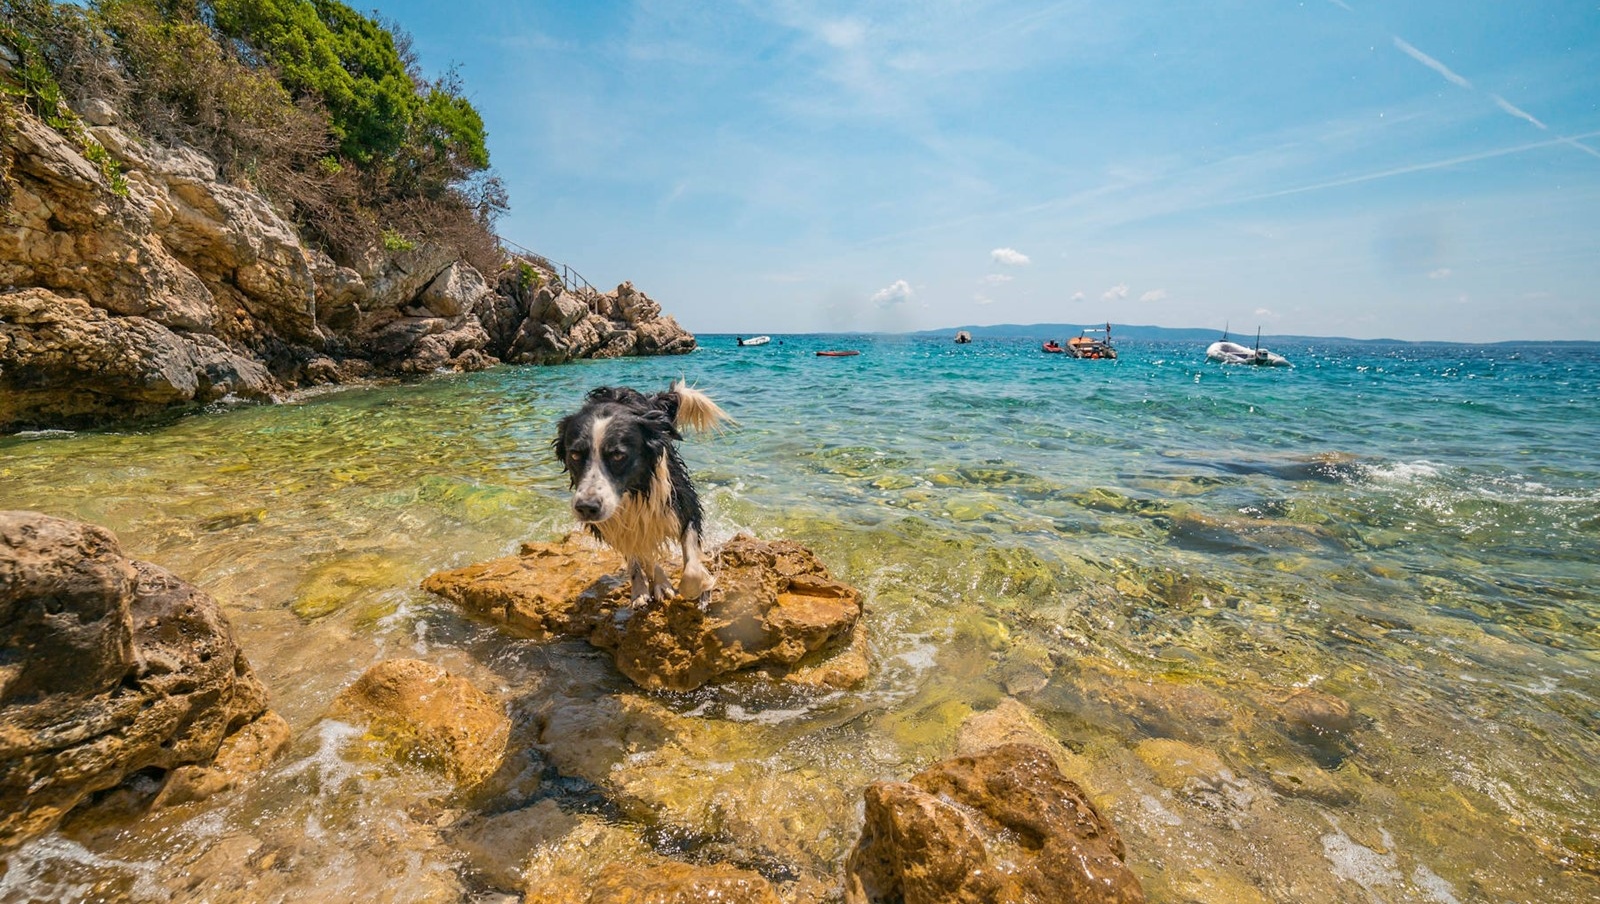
(1330, 167)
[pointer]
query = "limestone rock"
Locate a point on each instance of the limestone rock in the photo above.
(547, 590)
(455, 291)
(417, 712)
(595, 863)
(114, 668)
(1004, 826)
(197, 287)
(65, 362)
(775, 607)
(244, 753)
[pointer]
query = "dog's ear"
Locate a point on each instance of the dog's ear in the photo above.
(559, 444)
(667, 403)
(661, 425)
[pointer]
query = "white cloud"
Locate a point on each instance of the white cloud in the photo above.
(998, 278)
(897, 292)
(1431, 63)
(1115, 293)
(843, 34)
(1009, 256)
(1153, 295)
(1441, 273)
(1078, 295)
(1263, 312)
(983, 299)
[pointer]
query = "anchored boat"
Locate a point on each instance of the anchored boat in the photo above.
(1228, 352)
(1084, 345)
(753, 340)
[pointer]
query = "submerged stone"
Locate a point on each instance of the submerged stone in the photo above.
(1000, 826)
(418, 713)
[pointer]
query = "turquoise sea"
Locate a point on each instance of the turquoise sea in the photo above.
(1328, 633)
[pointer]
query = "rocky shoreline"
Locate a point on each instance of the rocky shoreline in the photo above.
(129, 695)
(183, 289)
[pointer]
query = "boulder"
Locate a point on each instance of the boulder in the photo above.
(114, 669)
(1002, 826)
(454, 292)
(417, 713)
(775, 608)
(65, 362)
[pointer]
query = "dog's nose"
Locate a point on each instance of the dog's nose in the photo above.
(587, 509)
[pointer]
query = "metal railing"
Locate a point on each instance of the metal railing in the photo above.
(570, 278)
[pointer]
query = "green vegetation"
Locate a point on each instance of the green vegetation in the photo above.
(36, 87)
(310, 102)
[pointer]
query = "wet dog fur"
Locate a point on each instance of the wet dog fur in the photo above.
(630, 487)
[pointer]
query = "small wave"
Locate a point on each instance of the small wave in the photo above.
(36, 434)
(1402, 472)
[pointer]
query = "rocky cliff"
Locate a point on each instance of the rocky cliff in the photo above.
(179, 289)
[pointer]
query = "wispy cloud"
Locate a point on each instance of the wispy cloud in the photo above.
(897, 292)
(1431, 63)
(1115, 293)
(1264, 312)
(1154, 295)
(1516, 111)
(1078, 296)
(998, 278)
(983, 299)
(1010, 256)
(1418, 168)
(1441, 273)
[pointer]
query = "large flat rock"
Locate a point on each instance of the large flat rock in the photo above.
(775, 609)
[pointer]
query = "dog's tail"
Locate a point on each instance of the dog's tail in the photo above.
(697, 411)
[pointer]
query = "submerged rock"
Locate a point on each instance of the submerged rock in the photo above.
(418, 713)
(1000, 826)
(775, 608)
(114, 669)
(596, 863)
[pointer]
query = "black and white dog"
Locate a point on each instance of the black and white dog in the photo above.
(630, 486)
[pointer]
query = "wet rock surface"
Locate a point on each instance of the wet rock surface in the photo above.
(114, 670)
(1003, 825)
(775, 608)
(417, 713)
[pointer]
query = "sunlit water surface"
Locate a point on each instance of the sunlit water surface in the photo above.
(1152, 554)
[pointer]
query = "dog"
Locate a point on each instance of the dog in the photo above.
(630, 487)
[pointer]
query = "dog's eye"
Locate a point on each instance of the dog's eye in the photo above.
(617, 455)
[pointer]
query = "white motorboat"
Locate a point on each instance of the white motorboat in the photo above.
(1229, 352)
(755, 340)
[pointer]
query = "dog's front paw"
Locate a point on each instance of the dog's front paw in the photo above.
(697, 582)
(661, 585)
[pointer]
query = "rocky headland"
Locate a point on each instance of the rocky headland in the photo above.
(176, 288)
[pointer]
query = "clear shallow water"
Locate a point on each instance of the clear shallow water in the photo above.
(1152, 554)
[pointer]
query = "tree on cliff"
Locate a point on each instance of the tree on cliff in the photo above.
(314, 104)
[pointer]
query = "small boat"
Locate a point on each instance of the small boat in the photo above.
(1228, 352)
(1085, 346)
(1052, 347)
(753, 340)
(838, 353)
(963, 337)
